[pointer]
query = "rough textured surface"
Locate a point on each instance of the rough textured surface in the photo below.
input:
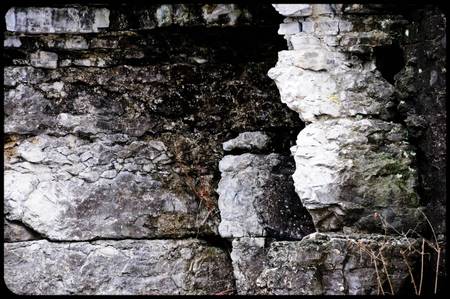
(247, 141)
(322, 264)
(354, 165)
(248, 256)
(368, 81)
(421, 88)
(56, 20)
(142, 267)
(114, 95)
(117, 115)
(347, 171)
(69, 188)
(256, 198)
(17, 232)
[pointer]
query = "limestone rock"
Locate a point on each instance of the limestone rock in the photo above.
(289, 28)
(348, 170)
(56, 20)
(328, 264)
(128, 267)
(48, 60)
(68, 188)
(256, 198)
(213, 12)
(12, 42)
(323, 264)
(293, 10)
(14, 232)
(247, 141)
(248, 256)
(316, 82)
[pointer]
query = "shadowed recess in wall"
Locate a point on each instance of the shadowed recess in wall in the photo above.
(389, 60)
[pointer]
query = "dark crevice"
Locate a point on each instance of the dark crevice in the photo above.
(389, 60)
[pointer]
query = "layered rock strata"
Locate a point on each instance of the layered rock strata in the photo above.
(115, 117)
(352, 160)
(355, 168)
(122, 122)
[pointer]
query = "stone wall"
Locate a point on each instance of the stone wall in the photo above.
(147, 150)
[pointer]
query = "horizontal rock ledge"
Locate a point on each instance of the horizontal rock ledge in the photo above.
(133, 267)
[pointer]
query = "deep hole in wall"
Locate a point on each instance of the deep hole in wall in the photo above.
(389, 60)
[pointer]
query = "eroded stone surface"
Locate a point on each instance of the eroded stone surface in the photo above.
(14, 232)
(256, 198)
(248, 256)
(133, 267)
(247, 141)
(316, 82)
(348, 170)
(354, 166)
(69, 188)
(323, 264)
(56, 20)
(294, 10)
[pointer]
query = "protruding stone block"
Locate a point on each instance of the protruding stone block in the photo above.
(247, 141)
(340, 91)
(256, 198)
(354, 174)
(289, 28)
(127, 267)
(69, 188)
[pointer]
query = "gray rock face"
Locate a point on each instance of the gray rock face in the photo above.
(322, 264)
(349, 170)
(354, 167)
(56, 20)
(247, 141)
(248, 256)
(329, 86)
(294, 10)
(44, 59)
(68, 188)
(256, 198)
(14, 232)
(137, 267)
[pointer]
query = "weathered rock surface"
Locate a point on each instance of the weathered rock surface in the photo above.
(294, 10)
(323, 264)
(115, 121)
(355, 170)
(13, 231)
(256, 198)
(347, 171)
(83, 19)
(118, 93)
(248, 256)
(68, 188)
(137, 267)
(56, 20)
(316, 82)
(247, 141)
